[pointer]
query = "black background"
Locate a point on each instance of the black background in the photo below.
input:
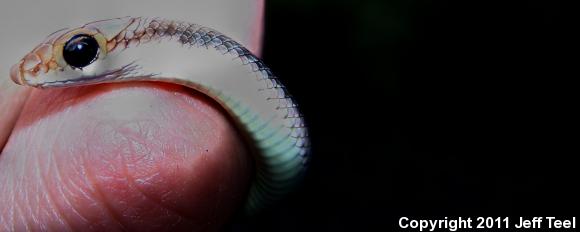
(426, 109)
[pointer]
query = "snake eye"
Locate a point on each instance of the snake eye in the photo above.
(80, 51)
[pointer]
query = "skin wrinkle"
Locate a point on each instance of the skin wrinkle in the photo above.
(49, 163)
(163, 196)
(85, 195)
(116, 218)
(108, 202)
(131, 184)
(81, 156)
(83, 173)
(22, 218)
(25, 202)
(62, 186)
(148, 180)
(22, 182)
(8, 188)
(131, 180)
(3, 220)
(90, 183)
(60, 182)
(34, 211)
(73, 206)
(102, 217)
(49, 198)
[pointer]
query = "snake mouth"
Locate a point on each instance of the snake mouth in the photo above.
(107, 77)
(76, 82)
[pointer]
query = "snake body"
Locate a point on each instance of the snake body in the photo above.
(187, 54)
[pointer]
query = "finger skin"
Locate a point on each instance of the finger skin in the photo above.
(138, 156)
(12, 98)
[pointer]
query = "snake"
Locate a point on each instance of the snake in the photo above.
(129, 49)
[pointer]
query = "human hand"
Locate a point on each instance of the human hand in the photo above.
(136, 156)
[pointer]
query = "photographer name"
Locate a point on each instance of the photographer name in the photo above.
(455, 224)
(553, 222)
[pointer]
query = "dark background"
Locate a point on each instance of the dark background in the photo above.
(426, 109)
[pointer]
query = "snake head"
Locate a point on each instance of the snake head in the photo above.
(76, 56)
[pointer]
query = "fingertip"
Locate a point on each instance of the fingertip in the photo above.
(145, 156)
